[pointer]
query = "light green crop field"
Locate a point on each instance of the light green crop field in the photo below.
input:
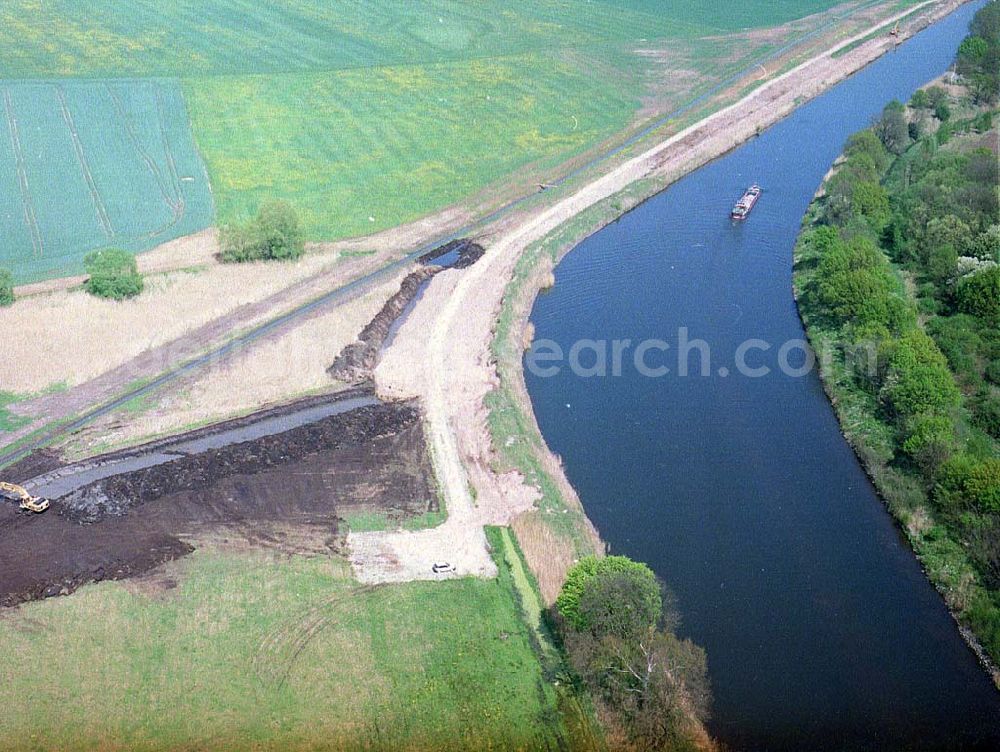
(85, 164)
(182, 38)
(357, 151)
(253, 650)
(367, 115)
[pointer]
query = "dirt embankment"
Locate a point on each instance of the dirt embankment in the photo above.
(465, 251)
(355, 362)
(285, 491)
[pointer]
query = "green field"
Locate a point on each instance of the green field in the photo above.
(362, 116)
(90, 164)
(180, 38)
(254, 650)
(361, 150)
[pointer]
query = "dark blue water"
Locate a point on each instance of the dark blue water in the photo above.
(820, 628)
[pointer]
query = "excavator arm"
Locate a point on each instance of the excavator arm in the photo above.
(25, 500)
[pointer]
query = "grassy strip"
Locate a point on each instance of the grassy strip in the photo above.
(575, 707)
(377, 521)
(8, 420)
(527, 590)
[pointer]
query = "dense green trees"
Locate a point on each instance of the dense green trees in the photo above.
(903, 222)
(870, 200)
(855, 284)
(917, 380)
(866, 144)
(580, 577)
(979, 54)
(274, 234)
(965, 483)
(617, 635)
(6, 287)
(113, 274)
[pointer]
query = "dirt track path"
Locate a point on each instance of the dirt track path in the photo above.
(442, 354)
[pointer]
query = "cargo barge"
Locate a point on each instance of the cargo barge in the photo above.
(742, 207)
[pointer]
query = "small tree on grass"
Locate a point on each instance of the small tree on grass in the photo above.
(273, 234)
(920, 100)
(113, 274)
(6, 287)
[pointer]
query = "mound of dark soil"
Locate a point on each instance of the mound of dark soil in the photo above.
(271, 491)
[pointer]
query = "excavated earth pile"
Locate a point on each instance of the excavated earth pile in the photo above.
(355, 362)
(285, 491)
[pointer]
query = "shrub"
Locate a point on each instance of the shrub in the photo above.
(871, 201)
(918, 379)
(113, 274)
(984, 616)
(947, 229)
(279, 231)
(621, 604)
(984, 545)
(993, 371)
(941, 263)
(971, 52)
(936, 95)
(274, 234)
(949, 491)
(6, 287)
(986, 245)
(983, 486)
(959, 340)
(930, 441)
(867, 143)
(964, 483)
(984, 408)
(919, 100)
(578, 578)
(979, 295)
(891, 127)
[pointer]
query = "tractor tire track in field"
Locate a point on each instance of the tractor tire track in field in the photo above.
(81, 158)
(133, 136)
(30, 219)
(168, 152)
(281, 648)
(174, 199)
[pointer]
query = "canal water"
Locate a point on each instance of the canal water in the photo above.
(821, 630)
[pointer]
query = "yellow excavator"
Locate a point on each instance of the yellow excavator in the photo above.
(14, 492)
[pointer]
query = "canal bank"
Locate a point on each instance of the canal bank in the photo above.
(742, 493)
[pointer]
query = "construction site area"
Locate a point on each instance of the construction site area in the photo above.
(214, 492)
(290, 490)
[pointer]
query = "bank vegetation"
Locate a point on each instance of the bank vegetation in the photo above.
(897, 273)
